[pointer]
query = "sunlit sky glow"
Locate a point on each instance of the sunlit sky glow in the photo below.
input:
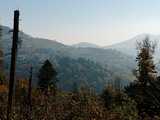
(103, 22)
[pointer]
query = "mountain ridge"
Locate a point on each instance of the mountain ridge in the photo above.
(36, 50)
(129, 47)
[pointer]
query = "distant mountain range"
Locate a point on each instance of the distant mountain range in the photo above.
(88, 63)
(129, 47)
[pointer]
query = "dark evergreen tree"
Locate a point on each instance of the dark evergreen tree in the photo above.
(146, 68)
(107, 96)
(142, 90)
(47, 76)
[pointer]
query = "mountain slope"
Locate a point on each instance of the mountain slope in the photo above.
(36, 50)
(129, 46)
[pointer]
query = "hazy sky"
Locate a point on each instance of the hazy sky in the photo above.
(102, 22)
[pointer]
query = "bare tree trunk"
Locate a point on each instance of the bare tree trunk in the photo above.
(13, 62)
(30, 96)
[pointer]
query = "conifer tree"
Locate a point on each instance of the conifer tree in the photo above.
(146, 69)
(47, 75)
(146, 75)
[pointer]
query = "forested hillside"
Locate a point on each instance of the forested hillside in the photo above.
(107, 65)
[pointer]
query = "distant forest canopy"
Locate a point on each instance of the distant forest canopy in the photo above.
(106, 65)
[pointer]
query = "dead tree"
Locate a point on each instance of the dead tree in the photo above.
(30, 95)
(13, 62)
